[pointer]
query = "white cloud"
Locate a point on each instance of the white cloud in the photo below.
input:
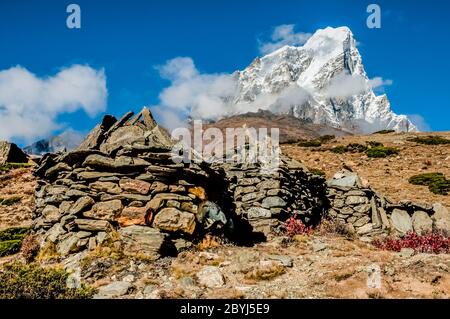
(378, 83)
(345, 85)
(284, 35)
(30, 105)
(420, 122)
(192, 93)
(195, 95)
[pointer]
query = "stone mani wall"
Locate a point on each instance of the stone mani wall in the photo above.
(266, 199)
(123, 179)
(367, 213)
(79, 202)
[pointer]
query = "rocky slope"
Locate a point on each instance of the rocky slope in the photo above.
(65, 141)
(388, 176)
(291, 128)
(323, 81)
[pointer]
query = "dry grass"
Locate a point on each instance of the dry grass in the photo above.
(265, 272)
(388, 176)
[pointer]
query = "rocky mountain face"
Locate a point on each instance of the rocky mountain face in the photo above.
(66, 141)
(323, 81)
(291, 128)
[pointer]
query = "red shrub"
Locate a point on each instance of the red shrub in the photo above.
(431, 243)
(295, 226)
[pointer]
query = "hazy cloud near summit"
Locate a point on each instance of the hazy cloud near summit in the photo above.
(30, 105)
(284, 35)
(192, 93)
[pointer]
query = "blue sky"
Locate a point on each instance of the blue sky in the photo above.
(128, 38)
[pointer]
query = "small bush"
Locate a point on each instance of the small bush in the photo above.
(326, 138)
(20, 281)
(312, 143)
(295, 226)
(316, 171)
(14, 233)
(30, 248)
(10, 201)
(11, 240)
(384, 132)
(431, 243)
(340, 149)
(430, 140)
(10, 166)
(381, 151)
(265, 273)
(332, 226)
(9, 247)
(374, 144)
(437, 183)
(350, 148)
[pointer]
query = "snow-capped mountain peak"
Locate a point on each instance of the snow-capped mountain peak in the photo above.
(323, 81)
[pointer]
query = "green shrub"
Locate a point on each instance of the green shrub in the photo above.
(381, 151)
(10, 201)
(20, 281)
(350, 148)
(326, 138)
(14, 233)
(374, 144)
(430, 140)
(11, 240)
(316, 171)
(340, 149)
(9, 247)
(437, 183)
(373, 149)
(10, 166)
(311, 143)
(384, 132)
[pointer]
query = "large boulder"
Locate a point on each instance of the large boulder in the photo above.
(422, 222)
(401, 222)
(105, 210)
(145, 241)
(441, 218)
(173, 220)
(345, 178)
(11, 153)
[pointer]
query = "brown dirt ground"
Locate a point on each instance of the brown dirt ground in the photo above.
(17, 183)
(389, 176)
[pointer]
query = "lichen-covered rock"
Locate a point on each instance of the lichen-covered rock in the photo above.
(143, 241)
(273, 201)
(83, 203)
(422, 223)
(211, 277)
(135, 186)
(401, 221)
(441, 218)
(132, 216)
(92, 225)
(258, 213)
(173, 220)
(105, 210)
(108, 187)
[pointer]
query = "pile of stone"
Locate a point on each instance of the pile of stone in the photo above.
(11, 153)
(122, 184)
(122, 178)
(367, 213)
(265, 199)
